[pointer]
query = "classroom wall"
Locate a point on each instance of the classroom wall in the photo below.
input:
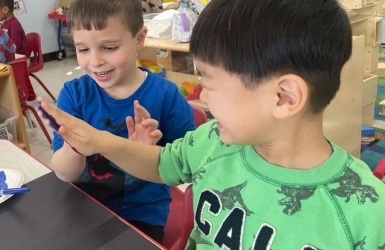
(36, 20)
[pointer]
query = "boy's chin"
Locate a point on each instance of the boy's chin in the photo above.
(226, 140)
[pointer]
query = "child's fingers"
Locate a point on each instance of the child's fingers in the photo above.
(130, 126)
(60, 116)
(140, 112)
(156, 134)
(150, 123)
(137, 114)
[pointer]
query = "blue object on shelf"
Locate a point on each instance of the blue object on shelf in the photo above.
(367, 131)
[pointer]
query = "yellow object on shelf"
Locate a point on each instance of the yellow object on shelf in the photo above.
(138, 63)
(155, 68)
(147, 63)
(168, 1)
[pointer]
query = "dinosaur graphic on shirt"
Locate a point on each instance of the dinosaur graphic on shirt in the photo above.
(198, 175)
(214, 128)
(382, 247)
(199, 239)
(292, 201)
(360, 244)
(232, 195)
(350, 183)
(191, 141)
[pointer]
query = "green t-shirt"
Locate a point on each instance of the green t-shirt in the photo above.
(243, 202)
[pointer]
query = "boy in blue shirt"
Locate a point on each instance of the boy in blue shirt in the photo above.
(107, 36)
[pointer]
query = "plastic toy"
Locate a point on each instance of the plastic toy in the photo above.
(152, 66)
(189, 87)
(379, 171)
(367, 131)
(195, 95)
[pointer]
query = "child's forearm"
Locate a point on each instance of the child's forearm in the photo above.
(137, 159)
(67, 164)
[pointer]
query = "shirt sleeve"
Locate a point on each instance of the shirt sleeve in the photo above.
(173, 163)
(16, 34)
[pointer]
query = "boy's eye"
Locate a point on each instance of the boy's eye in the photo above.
(110, 48)
(80, 50)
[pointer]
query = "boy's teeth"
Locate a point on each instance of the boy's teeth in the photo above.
(102, 73)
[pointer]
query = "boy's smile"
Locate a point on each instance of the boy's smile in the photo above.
(103, 76)
(109, 56)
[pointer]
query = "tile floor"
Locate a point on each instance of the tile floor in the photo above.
(53, 75)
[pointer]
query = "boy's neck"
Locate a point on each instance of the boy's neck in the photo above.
(303, 147)
(9, 17)
(132, 83)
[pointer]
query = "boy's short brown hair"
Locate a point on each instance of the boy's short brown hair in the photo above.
(7, 3)
(94, 14)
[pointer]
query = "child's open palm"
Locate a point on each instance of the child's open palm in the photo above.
(142, 128)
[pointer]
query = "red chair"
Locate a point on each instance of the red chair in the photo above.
(200, 116)
(35, 56)
(188, 217)
(24, 87)
(180, 220)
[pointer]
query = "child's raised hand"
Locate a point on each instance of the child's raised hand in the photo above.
(80, 135)
(143, 129)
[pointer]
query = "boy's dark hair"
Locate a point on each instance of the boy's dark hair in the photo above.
(94, 14)
(7, 3)
(258, 39)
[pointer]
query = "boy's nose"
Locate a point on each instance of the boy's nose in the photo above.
(96, 60)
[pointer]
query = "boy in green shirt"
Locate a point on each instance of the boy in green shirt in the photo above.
(263, 174)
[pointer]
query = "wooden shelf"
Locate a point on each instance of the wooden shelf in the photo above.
(166, 44)
(178, 78)
(9, 99)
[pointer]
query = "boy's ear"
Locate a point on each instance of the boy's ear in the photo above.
(292, 94)
(140, 37)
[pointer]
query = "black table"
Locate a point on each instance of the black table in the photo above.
(56, 215)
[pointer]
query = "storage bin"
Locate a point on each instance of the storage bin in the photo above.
(8, 125)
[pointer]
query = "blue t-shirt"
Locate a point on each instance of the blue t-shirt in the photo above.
(130, 197)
